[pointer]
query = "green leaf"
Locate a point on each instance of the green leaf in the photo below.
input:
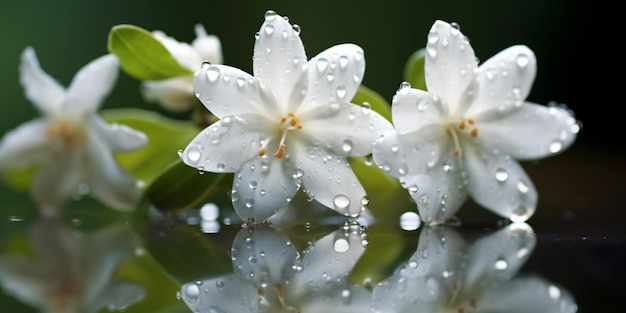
(165, 137)
(414, 70)
(375, 100)
(181, 187)
(143, 56)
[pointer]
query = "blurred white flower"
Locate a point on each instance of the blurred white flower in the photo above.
(465, 135)
(72, 272)
(71, 143)
(289, 125)
(177, 94)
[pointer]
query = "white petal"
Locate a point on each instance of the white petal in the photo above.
(43, 90)
(174, 94)
(450, 64)
(55, 242)
(56, 180)
(505, 80)
(413, 109)
(329, 179)
(398, 294)
(497, 257)
(334, 76)
(110, 183)
(529, 132)
(226, 144)
(226, 90)
(26, 145)
(116, 295)
(207, 46)
(262, 186)
(527, 294)
(222, 294)
(91, 85)
(182, 52)
(25, 279)
(269, 260)
(118, 137)
(498, 183)
(344, 128)
(412, 153)
(279, 57)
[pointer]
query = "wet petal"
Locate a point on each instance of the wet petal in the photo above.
(222, 294)
(329, 179)
(498, 183)
(25, 279)
(413, 109)
(26, 145)
(226, 144)
(91, 85)
(175, 94)
(529, 132)
(208, 47)
(345, 128)
(57, 179)
(182, 52)
(40, 88)
(226, 90)
(505, 80)
(118, 137)
(262, 186)
(334, 76)
(450, 64)
(108, 182)
(279, 56)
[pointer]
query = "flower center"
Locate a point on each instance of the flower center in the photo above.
(286, 123)
(63, 133)
(464, 126)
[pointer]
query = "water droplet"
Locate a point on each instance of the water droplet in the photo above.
(213, 74)
(343, 62)
(252, 184)
(219, 284)
(345, 293)
(346, 146)
(522, 187)
(422, 104)
(296, 29)
(555, 146)
(221, 166)
(554, 292)
(297, 173)
(341, 245)
(403, 169)
(241, 82)
(193, 154)
(249, 203)
(432, 52)
(501, 174)
(257, 35)
(269, 29)
(413, 264)
(413, 188)
(191, 293)
(522, 60)
(341, 92)
(410, 221)
(322, 65)
(270, 15)
(501, 264)
(404, 88)
(520, 214)
(341, 202)
(433, 37)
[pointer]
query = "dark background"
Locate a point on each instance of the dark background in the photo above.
(580, 216)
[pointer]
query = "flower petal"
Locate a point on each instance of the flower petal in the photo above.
(498, 183)
(226, 144)
(208, 47)
(118, 137)
(529, 132)
(175, 94)
(222, 294)
(344, 128)
(91, 85)
(226, 90)
(116, 295)
(279, 56)
(43, 90)
(262, 186)
(505, 80)
(413, 109)
(110, 183)
(25, 279)
(57, 179)
(334, 76)
(182, 52)
(25, 145)
(450, 64)
(329, 179)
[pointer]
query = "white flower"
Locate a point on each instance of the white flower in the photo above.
(271, 276)
(176, 94)
(464, 136)
(447, 275)
(72, 272)
(71, 144)
(290, 124)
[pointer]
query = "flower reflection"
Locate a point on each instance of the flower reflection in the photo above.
(270, 275)
(73, 272)
(446, 274)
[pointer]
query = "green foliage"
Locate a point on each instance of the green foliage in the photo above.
(414, 70)
(374, 99)
(143, 56)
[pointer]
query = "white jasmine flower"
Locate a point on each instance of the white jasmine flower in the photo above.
(71, 144)
(290, 124)
(448, 275)
(176, 94)
(464, 136)
(73, 273)
(271, 276)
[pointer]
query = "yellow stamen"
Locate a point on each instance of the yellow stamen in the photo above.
(281, 151)
(280, 290)
(462, 125)
(471, 121)
(474, 132)
(457, 152)
(262, 151)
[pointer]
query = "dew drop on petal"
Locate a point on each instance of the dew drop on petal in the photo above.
(554, 292)
(422, 104)
(413, 188)
(322, 65)
(555, 146)
(341, 245)
(269, 29)
(191, 293)
(521, 60)
(501, 175)
(341, 92)
(522, 187)
(501, 264)
(249, 203)
(341, 202)
(193, 154)
(403, 169)
(296, 29)
(213, 74)
(346, 146)
(252, 184)
(433, 37)
(343, 62)
(410, 221)
(270, 15)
